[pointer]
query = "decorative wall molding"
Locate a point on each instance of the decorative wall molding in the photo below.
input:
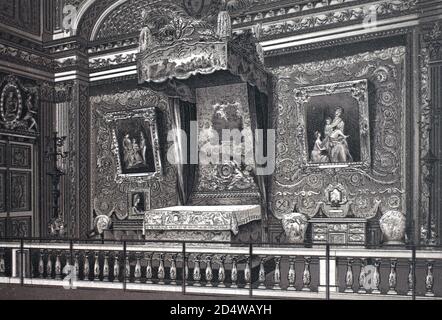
(338, 42)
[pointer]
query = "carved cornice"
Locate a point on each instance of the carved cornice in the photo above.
(27, 58)
(117, 59)
(340, 41)
(302, 23)
(57, 93)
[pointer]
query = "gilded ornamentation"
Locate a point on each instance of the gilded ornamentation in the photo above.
(295, 227)
(382, 179)
(106, 194)
(393, 225)
(18, 105)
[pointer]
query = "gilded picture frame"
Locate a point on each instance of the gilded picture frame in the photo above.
(135, 144)
(335, 124)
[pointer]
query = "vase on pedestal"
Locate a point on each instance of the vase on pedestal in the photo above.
(295, 227)
(393, 224)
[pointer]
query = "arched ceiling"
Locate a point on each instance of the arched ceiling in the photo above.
(88, 19)
(106, 19)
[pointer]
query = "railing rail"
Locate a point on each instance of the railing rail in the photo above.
(252, 269)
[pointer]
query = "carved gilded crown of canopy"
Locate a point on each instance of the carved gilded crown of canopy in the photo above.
(182, 40)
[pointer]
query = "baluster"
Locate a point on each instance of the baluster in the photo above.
(306, 276)
(86, 267)
(221, 272)
(248, 274)
(234, 274)
(58, 267)
(161, 270)
(196, 272)
(173, 270)
(106, 267)
(76, 266)
(376, 277)
(96, 266)
(410, 278)
(392, 278)
(148, 257)
(209, 272)
(49, 265)
(116, 267)
(137, 271)
(67, 270)
(429, 280)
(127, 269)
(362, 289)
(292, 275)
(262, 274)
(349, 277)
(186, 268)
(2, 263)
(41, 265)
(277, 274)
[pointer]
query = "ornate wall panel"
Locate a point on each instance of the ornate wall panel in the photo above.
(20, 227)
(108, 193)
(293, 183)
(2, 228)
(21, 14)
(20, 197)
(2, 190)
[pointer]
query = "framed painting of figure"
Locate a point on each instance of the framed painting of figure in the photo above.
(138, 203)
(135, 143)
(336, 122)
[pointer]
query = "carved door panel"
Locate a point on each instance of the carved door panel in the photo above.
(16, 189)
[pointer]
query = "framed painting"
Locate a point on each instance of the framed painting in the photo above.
(336, 124)
(135, 143)
(138, 202)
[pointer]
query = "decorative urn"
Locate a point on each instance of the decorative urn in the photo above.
(295, 227)
(392, 225)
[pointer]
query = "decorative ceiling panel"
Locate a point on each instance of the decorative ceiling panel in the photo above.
(126, 18)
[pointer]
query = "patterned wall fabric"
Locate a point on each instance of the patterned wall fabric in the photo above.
(293, 183)
(21, 14)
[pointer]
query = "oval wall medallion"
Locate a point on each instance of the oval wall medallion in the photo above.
(11, 104)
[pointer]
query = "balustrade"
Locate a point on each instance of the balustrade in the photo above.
(368, 272)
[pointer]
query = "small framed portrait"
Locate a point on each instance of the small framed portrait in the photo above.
(138, 203)
(336, 122)
(135, 143)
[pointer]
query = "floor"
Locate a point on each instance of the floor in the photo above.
(17, 292)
